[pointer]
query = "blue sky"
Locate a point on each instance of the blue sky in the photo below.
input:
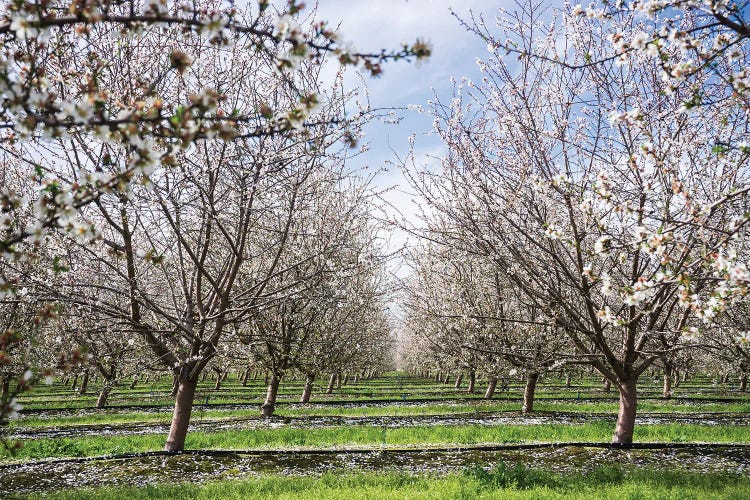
(376, 24)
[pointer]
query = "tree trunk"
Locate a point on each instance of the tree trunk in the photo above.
(75, 382)
(338, 380)
(623, 435)
(743, 382)
(5, 390)
(307, 391)
(356, 378)
(175, 385)
(567, 381)
(459, 379)
(101, 401)
(134, 382)
(667, 388)
(331, 382)
(183, 407)
(607, 385)
(491, 388)
(725, 378)
(472, 382)
(528, 393)
(84, 382)
(270, 404)
(219, 380)
(245, 376)
(346, 379)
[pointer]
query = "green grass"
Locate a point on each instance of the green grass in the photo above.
(584, 398)
(604, 407)
(515, 482)
(354, 435)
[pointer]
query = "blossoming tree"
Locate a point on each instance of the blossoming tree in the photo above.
(124, 96)
(586, 185)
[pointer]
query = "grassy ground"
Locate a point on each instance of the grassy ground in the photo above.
(372, 436)
(510, 482)
(396, 395)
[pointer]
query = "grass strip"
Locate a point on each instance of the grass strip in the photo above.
(290, 438)
(502, 481)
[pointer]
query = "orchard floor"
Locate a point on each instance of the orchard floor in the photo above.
(395, 436)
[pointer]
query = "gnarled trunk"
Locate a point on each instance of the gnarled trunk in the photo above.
(607, 385)
(270, 403)
(472, 382)
(219, 380)
(245, 376)
(528, 393)
(459, 379)
(75, 382)
(183, 407)
(134, 382)
(623, 435)
(447, 379)
(743, 382)
(491, 388)
(331, 382)
(307, 390)
(567, 380)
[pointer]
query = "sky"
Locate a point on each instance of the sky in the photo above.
(376, 24)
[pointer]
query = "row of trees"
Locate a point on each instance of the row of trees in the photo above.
(177, 196)
(592, 206)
